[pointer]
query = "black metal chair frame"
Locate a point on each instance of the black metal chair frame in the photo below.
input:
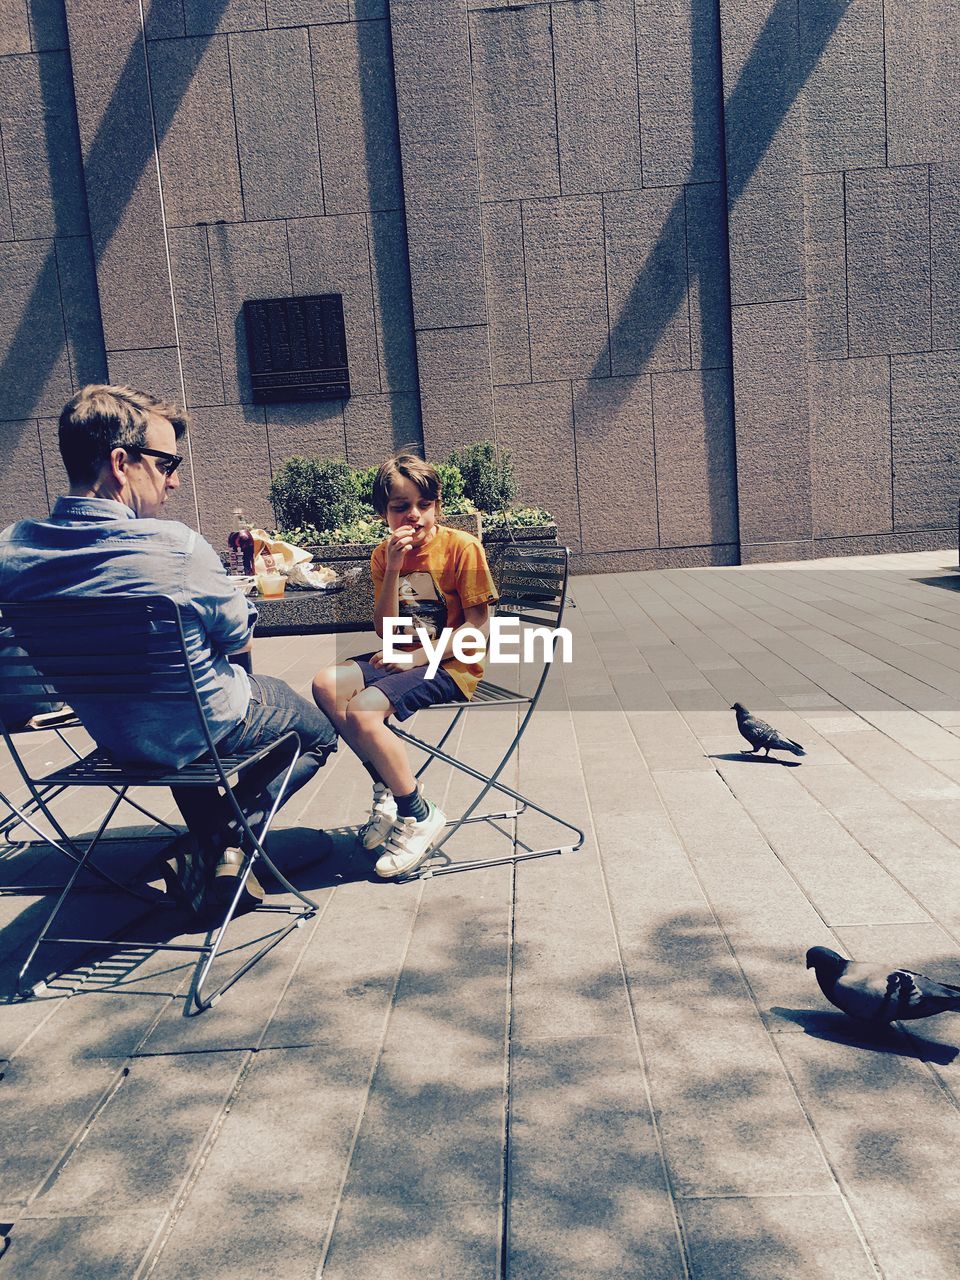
(147, 660)
(22, 813)
(533, 589)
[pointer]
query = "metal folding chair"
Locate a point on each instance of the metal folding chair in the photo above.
(63, 640)
(533, 589)
(23, 811)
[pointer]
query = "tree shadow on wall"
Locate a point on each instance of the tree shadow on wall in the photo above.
(688, 258)
(114, 163)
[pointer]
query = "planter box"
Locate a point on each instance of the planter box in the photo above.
(351, 609)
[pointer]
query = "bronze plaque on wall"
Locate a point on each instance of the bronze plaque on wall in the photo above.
(297, 348)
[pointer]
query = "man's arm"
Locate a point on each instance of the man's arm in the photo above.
(226, 614)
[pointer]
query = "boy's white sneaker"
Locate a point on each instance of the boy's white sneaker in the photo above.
(383, 814)
(409, 843)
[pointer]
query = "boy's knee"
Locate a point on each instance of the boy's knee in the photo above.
(325, 685)
(366, 709)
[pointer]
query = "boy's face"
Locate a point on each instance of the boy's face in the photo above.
(409, 509)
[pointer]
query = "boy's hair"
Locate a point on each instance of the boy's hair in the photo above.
(101, 418)
(410, 467)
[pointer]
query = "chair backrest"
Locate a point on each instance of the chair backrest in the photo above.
(121, 648)
(533, 589)
(17, 712)
(533, 583)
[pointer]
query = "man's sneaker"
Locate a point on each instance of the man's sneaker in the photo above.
(225, 879)
(383, 814)
(409, 843)
(186, 872)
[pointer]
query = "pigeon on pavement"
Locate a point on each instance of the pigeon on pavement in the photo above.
(760, 734)
(873, 993)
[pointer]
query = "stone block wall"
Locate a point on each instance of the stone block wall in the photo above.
(843, 255)
(51, 339)
(695, 262)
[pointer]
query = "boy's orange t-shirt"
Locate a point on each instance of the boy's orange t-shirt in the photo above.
(437, 583)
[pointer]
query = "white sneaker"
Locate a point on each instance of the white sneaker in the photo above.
(409, 843)
(383, 814)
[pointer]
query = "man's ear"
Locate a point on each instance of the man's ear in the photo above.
(119, 461)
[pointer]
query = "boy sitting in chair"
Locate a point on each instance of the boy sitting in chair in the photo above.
(435, 577)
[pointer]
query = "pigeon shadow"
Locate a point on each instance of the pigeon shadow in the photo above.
(837, 1028)
(748, 758)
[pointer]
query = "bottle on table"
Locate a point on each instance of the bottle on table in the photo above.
(241, 545)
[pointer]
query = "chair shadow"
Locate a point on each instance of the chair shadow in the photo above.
(312, 861)
(94, 909)
(837, 1028)
(747, 757)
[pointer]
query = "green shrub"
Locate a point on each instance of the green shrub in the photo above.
(304, 535)
(517, 518)
(360, 529)
(451, 484)
(363, 479)
(310, 491)
(488, 479)
(319, 503)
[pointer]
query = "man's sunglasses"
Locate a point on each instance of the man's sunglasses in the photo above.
(168, 461)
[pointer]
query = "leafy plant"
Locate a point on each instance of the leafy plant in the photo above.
(363, 479)
(488, 478)
(362, 529)
(322, 503)
(304, 535)
(310, 491)
(517, 518)
(452, 488)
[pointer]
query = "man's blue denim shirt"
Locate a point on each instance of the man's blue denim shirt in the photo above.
(98, 547)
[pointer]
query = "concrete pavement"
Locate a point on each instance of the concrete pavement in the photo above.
(608, 1064)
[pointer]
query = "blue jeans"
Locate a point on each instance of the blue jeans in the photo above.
(273, 711)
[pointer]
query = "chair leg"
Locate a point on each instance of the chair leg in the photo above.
(68, 847)
(256, 850)
(209, 950)
(17, 817)
(83, 862)
(446, 735)
(490, 782)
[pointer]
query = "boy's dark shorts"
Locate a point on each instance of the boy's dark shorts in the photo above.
(409, 691)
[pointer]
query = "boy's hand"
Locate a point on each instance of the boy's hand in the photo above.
(417, 659)
(400, 543)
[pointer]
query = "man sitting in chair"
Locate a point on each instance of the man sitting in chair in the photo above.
(119, 447)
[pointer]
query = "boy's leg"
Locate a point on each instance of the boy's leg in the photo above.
(333, 687)
(365, 729)
(333, 690)
(419, 822)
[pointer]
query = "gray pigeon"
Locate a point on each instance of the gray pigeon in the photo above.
(760, 734)
(874, 994)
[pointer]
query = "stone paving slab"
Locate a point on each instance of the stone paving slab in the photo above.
(610, 1063)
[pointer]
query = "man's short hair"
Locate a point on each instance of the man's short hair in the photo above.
(423, 474)
(102, 418)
